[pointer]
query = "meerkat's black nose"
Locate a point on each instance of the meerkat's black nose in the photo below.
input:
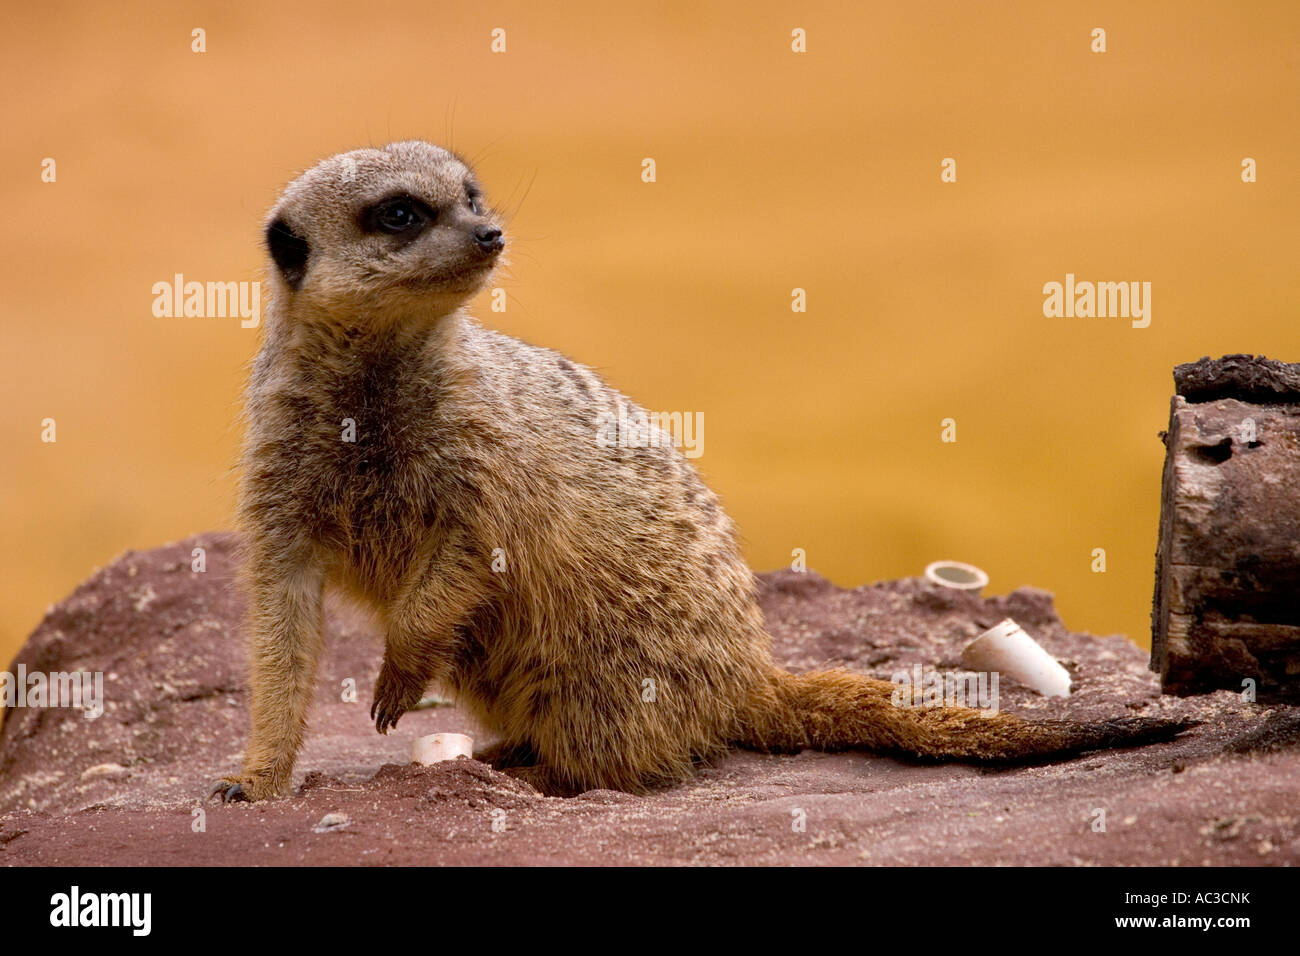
(489, 239)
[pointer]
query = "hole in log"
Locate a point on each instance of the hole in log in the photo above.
(1215, 454)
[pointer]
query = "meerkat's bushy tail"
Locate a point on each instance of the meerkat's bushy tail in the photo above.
(839, 710)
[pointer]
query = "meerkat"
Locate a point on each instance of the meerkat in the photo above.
(585, 600)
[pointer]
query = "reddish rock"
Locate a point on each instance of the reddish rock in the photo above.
(168, 641)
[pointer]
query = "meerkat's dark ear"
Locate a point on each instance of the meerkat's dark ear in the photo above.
(289, 250)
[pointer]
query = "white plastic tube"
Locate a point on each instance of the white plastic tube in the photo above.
(1006, 649)
(436, 748)
(956, 574)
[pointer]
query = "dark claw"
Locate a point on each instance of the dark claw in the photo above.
(228, 791)
(386, 718)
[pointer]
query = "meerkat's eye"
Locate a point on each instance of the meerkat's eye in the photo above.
(473, 196)
(400, 216)
(397, 216)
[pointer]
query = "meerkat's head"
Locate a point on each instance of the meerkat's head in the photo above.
(382, 232)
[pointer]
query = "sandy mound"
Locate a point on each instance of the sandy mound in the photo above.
(124, 788)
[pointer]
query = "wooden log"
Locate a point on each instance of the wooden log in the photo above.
(1227, 595)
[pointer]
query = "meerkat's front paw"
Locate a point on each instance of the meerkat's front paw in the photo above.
(395, 694)
(238, 789)
(228, 790)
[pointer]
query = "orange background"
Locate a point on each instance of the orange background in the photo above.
(775, 170)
